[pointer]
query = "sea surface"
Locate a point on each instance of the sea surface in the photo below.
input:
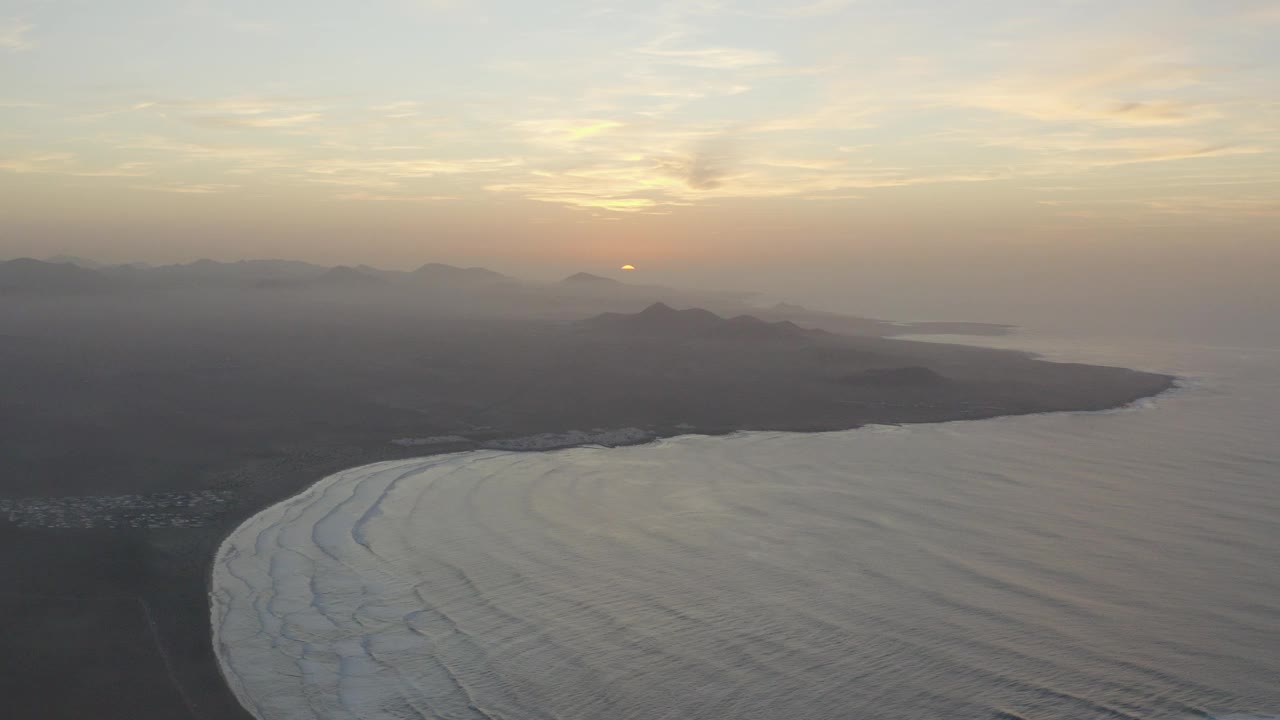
(1114, 565)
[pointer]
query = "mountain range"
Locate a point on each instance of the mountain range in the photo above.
(478, 289)
(664, 321)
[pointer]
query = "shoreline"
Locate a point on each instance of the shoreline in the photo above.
(1173, 384)
(304, 436)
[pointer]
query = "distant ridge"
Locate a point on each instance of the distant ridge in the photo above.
(441, 273)
(662, 320)
(587, 278)
(240, 271)
(570, 297)
(349, 276)
(28, 275)
(85, 263)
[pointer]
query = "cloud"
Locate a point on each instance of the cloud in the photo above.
(1130, 88)
(249, 105)
(707, 167)
(591, 202)
(1198, 150)
(1205, 207)
(228, 112)
(1264, 13)
(360, 195)
(398, 106)
(260, 121)
(1051, 106)
(38, 162)
(563, 132)
(594, 129)
(643, 128)
(836, 196)
(245, 158)
(1230, 207)
(814, 9)
(381, 177)
(818, 8)
(414, 168)
(852, 114)
(188, 189)
(1084, 151)
(648, 184)
(113, 112)
(13, 35)
(252, 27)
(714, 58)
(65, 163)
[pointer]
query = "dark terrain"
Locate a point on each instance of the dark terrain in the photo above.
(120, 389)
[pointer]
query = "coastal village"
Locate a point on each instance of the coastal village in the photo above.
(157, 510)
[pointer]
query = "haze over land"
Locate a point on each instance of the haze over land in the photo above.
(223, 357)
(153, 408)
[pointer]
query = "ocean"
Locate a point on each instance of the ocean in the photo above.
(1122, 564)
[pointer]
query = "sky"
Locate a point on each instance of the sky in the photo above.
(819, 145)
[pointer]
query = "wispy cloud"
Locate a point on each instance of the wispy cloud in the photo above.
(1263, 13)
(14, 35)
(716, 58)
(406, 168)
(252, 27)
(364, 195)
(1254, 206)
(645, 110)
(65, 163)
(818, 8)
(709, 165)
(243, 159)
(398, 110)
(38, 162)
(1084, 150)
(1055, 107)
(562, 131)
(1136, 87)
(259, 120)
(802, 10)
(188, 189)
(652, 183)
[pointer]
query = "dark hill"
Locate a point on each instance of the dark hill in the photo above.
(242, 273)
(452, 275)
(347, 276)
(662, 320)
(25, 275)
(585, 278)
(342, 276)
(85, 263)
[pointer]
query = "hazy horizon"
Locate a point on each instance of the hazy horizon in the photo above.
(834, 151)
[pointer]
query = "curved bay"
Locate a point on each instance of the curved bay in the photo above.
(1114, 565)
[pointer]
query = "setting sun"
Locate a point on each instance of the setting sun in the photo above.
(628, 267)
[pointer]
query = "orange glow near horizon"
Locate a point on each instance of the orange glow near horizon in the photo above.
(746, 138)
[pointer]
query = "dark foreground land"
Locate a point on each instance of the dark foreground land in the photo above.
(136, 430)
